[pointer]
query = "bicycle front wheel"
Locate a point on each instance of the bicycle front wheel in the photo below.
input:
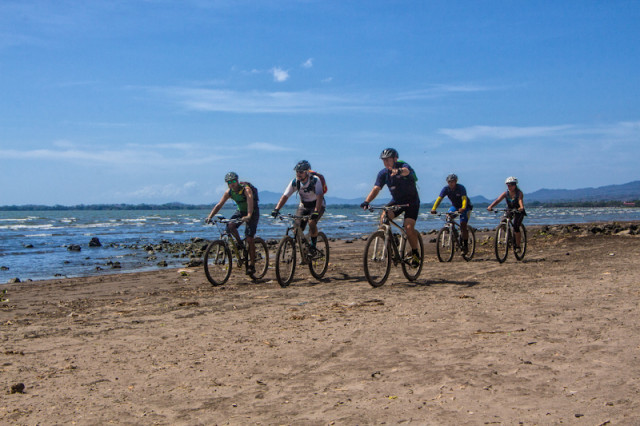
(320, 259)
(285, 261)
(410, 269)
(471, 244)
(445, 245)
(377, 260)
(262, 258)
(523, 243)
(501, 243)
(217, 263)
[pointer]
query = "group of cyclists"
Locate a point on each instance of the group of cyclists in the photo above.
(397, 175)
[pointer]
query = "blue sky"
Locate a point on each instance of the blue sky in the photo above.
(154, 101)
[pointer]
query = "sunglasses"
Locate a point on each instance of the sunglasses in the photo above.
(229, 182)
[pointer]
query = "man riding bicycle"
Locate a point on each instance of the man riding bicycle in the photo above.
(401, 180)
(248, 211)
(312, 201)
(460, 202)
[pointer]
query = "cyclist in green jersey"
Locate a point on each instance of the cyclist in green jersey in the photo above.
(248, 211)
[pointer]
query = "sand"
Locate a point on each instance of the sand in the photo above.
(553, 339)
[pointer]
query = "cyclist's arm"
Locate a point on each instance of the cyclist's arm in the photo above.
(319, 196)
(249, 194)
(373, 194)
(218, 206)
(500, 198)
(464, 203)
(288, 192)
(521, 201)
(436, 204)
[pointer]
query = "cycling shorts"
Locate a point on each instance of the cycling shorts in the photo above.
(252, 226)
(410, 212)
(464, 216)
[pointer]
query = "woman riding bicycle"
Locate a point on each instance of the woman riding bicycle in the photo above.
(515, 202)
(460, 202)
(401, 180)
(248, 211)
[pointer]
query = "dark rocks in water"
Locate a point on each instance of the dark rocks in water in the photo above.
(28, 246)
(74, 247)
(4, 268)
(95, 242)
(163, 263)
(14, 280)
(193, 263)
(114, 265)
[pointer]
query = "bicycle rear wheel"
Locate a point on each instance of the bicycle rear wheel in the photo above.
(523, 243)
(262, 258)
(501, 243)
(376, 260)
(285, 261)
(471, 244)
(217, 263)
(445, 245)
(411, 271)
(320, 260)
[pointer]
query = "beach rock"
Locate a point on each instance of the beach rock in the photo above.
(74, 247)
(28, 246)
(95, 242)
(194, 263)
(17, 388)
(163, 263)
(4, 268)
(14, 280)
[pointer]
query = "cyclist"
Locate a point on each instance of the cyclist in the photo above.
(401, 180)
(460, 202)
(515, 201)
(312, 201)
(247, 201)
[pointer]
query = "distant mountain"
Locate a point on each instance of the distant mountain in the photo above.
(622, 192)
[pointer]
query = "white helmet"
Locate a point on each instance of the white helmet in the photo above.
(511, 179)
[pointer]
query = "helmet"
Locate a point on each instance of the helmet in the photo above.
(452, 177)
(389, 153)
(302, 166)
(511, 179)
(231, 176)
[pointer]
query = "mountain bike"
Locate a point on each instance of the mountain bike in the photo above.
(317, 258)
(384, 246)
(450, 238)
(222, 253)
(505, 237)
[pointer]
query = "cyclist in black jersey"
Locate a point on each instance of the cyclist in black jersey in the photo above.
(459, 202)
(515, 201)
(248, 211)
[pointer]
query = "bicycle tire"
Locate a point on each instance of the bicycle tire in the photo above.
(445, 245)
(319, 264)
(262, 258)
(285, 261)
(217, 263)
(471, 244)
(502, 242)
(519, 254)
(411, 272)
(376, 259)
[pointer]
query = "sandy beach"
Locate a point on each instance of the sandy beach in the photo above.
(553, 339)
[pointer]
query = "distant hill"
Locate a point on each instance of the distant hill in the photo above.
(622, 192)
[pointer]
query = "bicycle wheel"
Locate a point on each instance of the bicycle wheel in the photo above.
(217, 263)
(501, 243)
(411, 271)
(471, 244)
(285, 261)
(445, 245)
(376, 260)
(320, 260)
(523, 244)
(262, 258)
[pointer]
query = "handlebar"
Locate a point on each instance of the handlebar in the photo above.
(292, 216)
(393, 208)
(222, 219)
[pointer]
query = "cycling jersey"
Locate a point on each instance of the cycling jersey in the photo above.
(240, 198)
(513, 203)
(403, 188)
(308, 191)
(456, 196)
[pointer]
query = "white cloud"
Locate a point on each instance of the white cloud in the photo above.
(279, 74)
(505, 132)
(308, 63)
(159, 192)
(263, 146)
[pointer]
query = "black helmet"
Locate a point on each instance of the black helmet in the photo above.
(452, 177)
(389, 153)
(302, 166)
(231, 176)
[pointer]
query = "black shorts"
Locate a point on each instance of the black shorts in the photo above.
(252, 226)
(410, 212)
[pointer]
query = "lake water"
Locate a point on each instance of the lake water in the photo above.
(33, 245)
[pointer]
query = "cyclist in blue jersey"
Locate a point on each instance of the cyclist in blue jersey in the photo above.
(248, 211)
(515, 201)
(457, 194)
(311, 192)
(401, 180)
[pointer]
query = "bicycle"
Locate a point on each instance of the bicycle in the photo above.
(450, 238)
(290, 246)
(384, 246)
(505, 237)
(221, 254)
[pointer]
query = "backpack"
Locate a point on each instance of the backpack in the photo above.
(254, 190)
(319, 176)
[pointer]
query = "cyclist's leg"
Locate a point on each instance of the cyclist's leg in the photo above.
(313, 228)
(249, 233)
(410, 218)
(517, 221)
(233, 228)
(464, 225)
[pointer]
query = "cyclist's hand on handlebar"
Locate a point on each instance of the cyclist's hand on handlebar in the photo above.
(434, 211)
(275, 213)
(207, 220)
(364, 205)
(314, 216)
(490, 209)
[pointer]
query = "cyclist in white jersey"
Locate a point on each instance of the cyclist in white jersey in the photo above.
(311, 194)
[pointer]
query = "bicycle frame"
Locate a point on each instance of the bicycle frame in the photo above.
(386, 227)
(228, 238)
(298, 232)
(451, 223)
